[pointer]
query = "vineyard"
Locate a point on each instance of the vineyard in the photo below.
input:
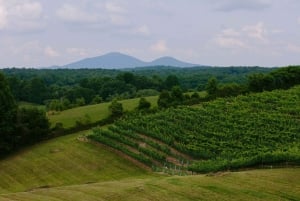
(232, 133)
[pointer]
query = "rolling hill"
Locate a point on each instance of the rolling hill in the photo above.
(92, 113)
(260, 185)
(73, 168)
(62, 161)
(228, 133)
(116, 60)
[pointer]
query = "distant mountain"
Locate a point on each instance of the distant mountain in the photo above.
(116, 60)
(170, 61)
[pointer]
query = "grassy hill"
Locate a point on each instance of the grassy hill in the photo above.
(231, 133)
(63, 161)
(276, 184)
(93, 113)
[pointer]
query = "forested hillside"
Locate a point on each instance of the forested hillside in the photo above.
(61, 89)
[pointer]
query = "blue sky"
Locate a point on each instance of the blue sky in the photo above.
(35, 33)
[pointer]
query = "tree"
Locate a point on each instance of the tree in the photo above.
(212, 87)
(177, 95)
(97, 99)
(164, 99)
(8, 116)
(33, 125)
(231, 89)
(144, 104)
(37, 90)
(116, 108)
(171, 81)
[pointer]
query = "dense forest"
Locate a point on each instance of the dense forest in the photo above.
(19, 126)
(66, 88)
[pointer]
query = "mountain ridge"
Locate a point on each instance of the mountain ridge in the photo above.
(117, 60)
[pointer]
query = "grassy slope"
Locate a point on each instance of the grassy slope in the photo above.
(63, 161)
(95, 112)
(276, 184)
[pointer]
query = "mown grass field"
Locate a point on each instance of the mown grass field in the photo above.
(63, 161)
(276, 184)
(93, 112)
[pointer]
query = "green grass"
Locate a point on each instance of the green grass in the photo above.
(63, 161)
(93, 112)
(23, 104)
(276, 184)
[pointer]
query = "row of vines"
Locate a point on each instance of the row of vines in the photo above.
(237, 132)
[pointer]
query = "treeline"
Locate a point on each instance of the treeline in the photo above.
(61, 89)
(282, 78)
(19, 126)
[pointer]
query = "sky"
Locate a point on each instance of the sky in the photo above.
(40, 33)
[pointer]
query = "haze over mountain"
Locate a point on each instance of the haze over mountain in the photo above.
(116, 60)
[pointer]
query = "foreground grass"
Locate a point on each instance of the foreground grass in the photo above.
(276, 184)
(63, 161)
(93, 113)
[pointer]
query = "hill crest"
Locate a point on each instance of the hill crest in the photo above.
(117, 60)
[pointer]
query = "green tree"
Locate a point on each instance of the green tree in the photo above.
(8, 115)
(116, 108)
(177, 95)
(171, 81)
(231, 89)
(33, 125)
(144, 104)
(212, 86)
(97, 99)
(164, 99)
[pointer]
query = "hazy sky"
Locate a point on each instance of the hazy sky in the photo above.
(36, 33)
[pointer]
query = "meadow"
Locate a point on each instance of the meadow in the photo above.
(92, 113)
(63, 161)
(70, 168)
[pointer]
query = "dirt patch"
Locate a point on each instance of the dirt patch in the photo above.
(55, 150)
(218, 174)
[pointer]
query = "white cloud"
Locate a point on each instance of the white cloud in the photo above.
(245, 37)
(3, 16)
(26, 48)
(28, 11)
(76, 51)
(50, 52)
(144, 30)
(116, 13)
(229, 42)
(114, 8)
(230, 32)
(21, 15)
(73, 14)
(257, 31)
(236, 5)
(106, 15)
(159, 47)
(119, 20)
(293, 48)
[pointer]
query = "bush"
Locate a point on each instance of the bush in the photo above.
(116, 108)
(144, 104)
